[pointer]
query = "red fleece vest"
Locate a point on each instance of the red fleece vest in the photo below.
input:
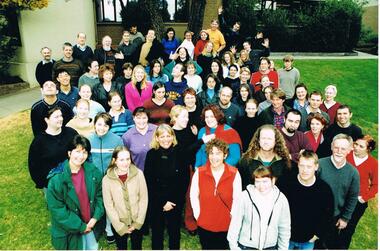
(215, 202)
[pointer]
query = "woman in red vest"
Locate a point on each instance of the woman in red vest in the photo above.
(214, 188)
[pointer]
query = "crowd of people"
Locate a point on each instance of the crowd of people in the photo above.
(147, 135)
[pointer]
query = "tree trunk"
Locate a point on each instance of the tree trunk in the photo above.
(197, 10)
(156, 19)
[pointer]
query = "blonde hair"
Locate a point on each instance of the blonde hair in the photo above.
(204, 52)
(174, 113)
(134, 80)
(158, 132)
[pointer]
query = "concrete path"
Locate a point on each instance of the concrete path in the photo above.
(20, 101)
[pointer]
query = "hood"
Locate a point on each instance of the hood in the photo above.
(57, 170)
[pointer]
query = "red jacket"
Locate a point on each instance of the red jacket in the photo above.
(256, 77)
(215, 202)
(368, 176)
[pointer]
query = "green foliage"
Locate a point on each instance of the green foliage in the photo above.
(243, 11)
(274, 25)
(24, 4)
(136, 14)
(7, 46)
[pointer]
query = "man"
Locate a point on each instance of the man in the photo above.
(343, 180)
(134, 34)
(295, 140)
(49, 101)
(260, 48)
(106, 54)
(175, 87)
(151, 49)
(315, 101)
(311, 203)
(82, 51)
(289, 76)
(275, 113)
(45, 67)
(73, 66)
(231, 111)
(232, 34)
(127, 47)
(67, 93)
(216, 37)
(342, 125)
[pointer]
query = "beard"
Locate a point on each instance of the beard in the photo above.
(290, 130)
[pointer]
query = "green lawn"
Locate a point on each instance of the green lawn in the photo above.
(24, 219)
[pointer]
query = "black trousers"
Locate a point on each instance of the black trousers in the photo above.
(172, 219)
(341, 239)
(122, 241)
(212, 240)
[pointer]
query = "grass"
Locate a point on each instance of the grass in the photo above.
(24, 219)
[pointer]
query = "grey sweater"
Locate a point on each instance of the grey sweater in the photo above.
(344, 183)
(288, 80)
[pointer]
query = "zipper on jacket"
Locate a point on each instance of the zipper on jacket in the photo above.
(258, 212)
(270, 218)
(101, 154)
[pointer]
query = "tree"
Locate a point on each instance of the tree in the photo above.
(197, 10)
(24, 4)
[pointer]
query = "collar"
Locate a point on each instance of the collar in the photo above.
(309, 111)
(335, 164)
(46, 62)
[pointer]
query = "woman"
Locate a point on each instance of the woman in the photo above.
(267, 102)
(125, 198)
(167, 178)
(367, 167)
(264, 70)
(214, 189)
(264, 82)
(194, 107)
(317, 124)
(244, 94)
(247, 125)
(260, 216)
(158, 107)
(82, 123)
(245, 75)
(121, 118)
(74, 198)
(188, 43)
(244, 61)
(101, 91)
(49, 148)
(170, 42)
(181, 56)
(126, 77)
(138, 138)
(300, 98)
(228, 59)
(215, 124)
(91, 77)
(138, 90)
(202, 41)
(217, 69)
(205, 58)
(267, 148)
(232, 80)
(329, 105)
(210, 93)
(193, 80)
(155, 73)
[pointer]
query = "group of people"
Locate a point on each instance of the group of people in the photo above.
(211, 131)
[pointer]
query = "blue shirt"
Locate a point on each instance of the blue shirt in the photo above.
(71, 97)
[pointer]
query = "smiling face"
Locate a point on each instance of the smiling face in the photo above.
(106, 42)
(292, 122)
(209, 47)
(343, 117)
(267, 139)
(101, 128)
(46, 54)
(277, 102)
(107, 76)
(214, 25)
(77, 156)
(157, 68)
(189, 100)
(361, 148)
(85, 92)
(182, 53)
(211, 83)
(188, 36)
(115, 103)
(306, 169)
(190, 70)
(251, 109)
(210, 119)
(330, 94)
(139, 74)
(182, 119)
(265, 81)
(264, 66)
(55, 120)
(165, 139)
(83, 110)
(244, 76)
(301, 93)
(227, 58)
(67, 51)
(340, 149)
(64, 79)
(203, 35)
(123, 161)
(216, 157)
(315, 101)
(225, 96)
(81, 39)
(94, 68)
(232, 72)
(141, 121)
(316, 126)
(159, 94)
(214, 68)
(244, 93)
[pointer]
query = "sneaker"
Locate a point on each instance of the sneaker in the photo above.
(110, 239)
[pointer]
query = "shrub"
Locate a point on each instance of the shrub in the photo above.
(7, 46)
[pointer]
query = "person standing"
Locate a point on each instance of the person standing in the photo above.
(45, 67)
(81, 50)
(289, 76)
(343, 180)
(216, 37)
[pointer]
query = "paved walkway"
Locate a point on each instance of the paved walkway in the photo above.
(23, 100)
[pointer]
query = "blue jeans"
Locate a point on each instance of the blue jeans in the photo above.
(89, 241)
(301, 245)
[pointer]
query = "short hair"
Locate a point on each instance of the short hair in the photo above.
(89, 63)
(105, 116)
(79, 101)
(140, 109)
(309, 154)
(288, 57)
(127, 65)
(317, 116)
(245, 69)
(81, 141)
(278, 93)
(160, 130)
(371, 143)
(342, 136)
(229, 89)
(112, 94)
(85, 85)
(51, 111)
(174, 113)
(344, 106)
(268, 87)
(331, 86)
(67, 44)
(218, 114)
(247, 41)
(316, 93)
(219, 144)
(215, 20)
(126, 32)
(252, 100)
(190, 91)
(61, 70)
(262, 172)
(294, 111)
(105, 67)
(45, 47)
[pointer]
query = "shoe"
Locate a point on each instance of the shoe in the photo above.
(110, 239)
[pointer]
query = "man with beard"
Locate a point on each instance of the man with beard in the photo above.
(295, 140)
(45, 67)
(231, 111)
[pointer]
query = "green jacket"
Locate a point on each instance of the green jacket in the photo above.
(66, 223)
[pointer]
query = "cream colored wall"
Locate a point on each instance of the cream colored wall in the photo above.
(51, 26)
